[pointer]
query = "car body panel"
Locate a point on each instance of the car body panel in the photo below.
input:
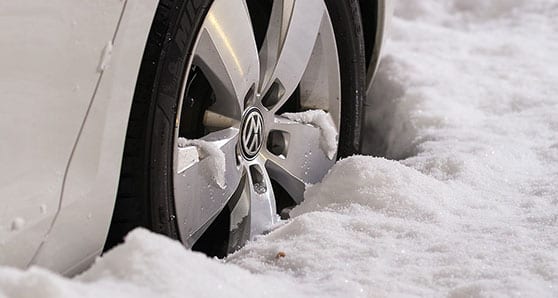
(50, 70)
(81, 227)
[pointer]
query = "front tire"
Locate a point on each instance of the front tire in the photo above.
(198, 83)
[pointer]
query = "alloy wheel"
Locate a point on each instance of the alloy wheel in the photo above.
(254, 116)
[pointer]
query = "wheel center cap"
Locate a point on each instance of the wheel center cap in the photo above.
(251, 133)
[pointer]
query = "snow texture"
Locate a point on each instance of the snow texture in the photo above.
(323, 121)
(149, 265)
(215, 156)
(465, 107)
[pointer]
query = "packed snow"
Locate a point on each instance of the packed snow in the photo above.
(323, 121)
(465, 109)
(192, 151)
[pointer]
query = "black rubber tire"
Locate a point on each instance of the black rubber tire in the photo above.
(369, 11)
(145, 192)
(346, 19)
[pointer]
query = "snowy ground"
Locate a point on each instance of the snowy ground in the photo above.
(466, 102)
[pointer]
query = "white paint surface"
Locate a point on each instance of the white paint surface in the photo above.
(50, 51)
(81, 226)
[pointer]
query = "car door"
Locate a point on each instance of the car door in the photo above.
(52, 56)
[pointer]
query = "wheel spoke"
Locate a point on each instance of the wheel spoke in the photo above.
(262, 199)
(239, 229)
(218, 121)
(254, 209)
(227, 54)
(199, 194)
(303, 161)
(290, 39)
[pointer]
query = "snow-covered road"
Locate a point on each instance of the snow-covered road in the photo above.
(465, 106)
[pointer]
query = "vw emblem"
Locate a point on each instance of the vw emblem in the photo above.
(251, 138)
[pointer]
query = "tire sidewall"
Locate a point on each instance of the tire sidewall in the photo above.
(345, 18)
(173, 69)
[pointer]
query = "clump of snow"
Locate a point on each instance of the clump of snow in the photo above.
(323, 121)
(214, 154)
(390, 189)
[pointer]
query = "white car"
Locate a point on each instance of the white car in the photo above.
(199, 119)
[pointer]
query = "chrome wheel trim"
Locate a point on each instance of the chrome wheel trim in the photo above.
(299, 51)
